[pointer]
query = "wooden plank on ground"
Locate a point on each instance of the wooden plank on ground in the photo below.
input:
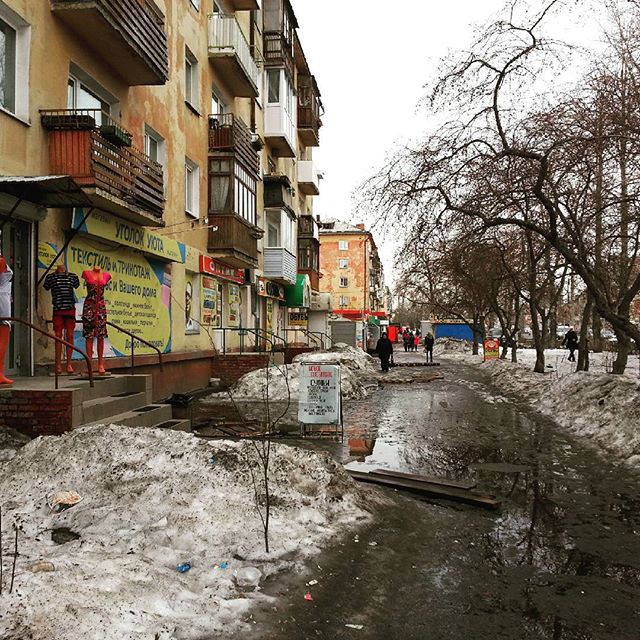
(457, 484)
(429, 490)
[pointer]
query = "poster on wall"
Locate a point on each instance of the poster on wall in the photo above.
(138, 297)
(269, 315)
(298, 319)
(209, 301)
(234, 305)
(47, 251)
(191, 304)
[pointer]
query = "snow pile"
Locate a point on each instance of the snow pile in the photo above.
(283, 381)
(153, 500)
(454, 348)
(599, 406)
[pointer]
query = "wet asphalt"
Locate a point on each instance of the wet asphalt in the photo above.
(560, 560)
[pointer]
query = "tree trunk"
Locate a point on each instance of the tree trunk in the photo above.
(624, 346)
(596, 325)
(538, 340)
(583, 346)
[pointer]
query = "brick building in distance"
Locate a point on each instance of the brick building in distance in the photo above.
(352, 274)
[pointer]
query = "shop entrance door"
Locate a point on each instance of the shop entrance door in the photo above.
(15, 247)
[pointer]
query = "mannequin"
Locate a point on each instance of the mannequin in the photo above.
(61, 284)
(94, 312)
(6, 275)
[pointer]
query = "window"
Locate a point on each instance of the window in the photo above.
(344, 282)
(85, 93)
(191, 81)
(232, 189)
(15, 36)
(343, 245)
(344, 301)
(344, 263)
(217, 104)
(153, 145)
(273, 86)
(192, 189)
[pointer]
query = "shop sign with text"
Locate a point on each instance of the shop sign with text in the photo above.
(320, 394)
(268, 289)
(104, 225)
(298, 319)
(491, 349)
(220, 270)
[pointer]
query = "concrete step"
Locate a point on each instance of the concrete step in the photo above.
(175, 425)
(144, 416)
(112, 385)
(98, 409)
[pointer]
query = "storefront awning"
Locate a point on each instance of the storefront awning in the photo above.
(46, 191)
(299, 294)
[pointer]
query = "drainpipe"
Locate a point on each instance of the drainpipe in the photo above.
(252, 43)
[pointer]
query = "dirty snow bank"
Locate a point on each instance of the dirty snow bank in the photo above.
(284, 380)
(455, 349)
(598, 406)
(151, 500)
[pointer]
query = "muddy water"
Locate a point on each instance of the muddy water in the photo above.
(560, 561)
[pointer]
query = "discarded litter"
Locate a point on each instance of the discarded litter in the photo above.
(373, 544)
(308, 596)
(311, 583)
(62, 500)
(213, 461)
(358, 627)
(42, 566)
(224, 565)
(247, 576)
(184, 567)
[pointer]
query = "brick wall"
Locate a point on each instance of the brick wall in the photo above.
(232, 367)
(292, 352)
(37, 413)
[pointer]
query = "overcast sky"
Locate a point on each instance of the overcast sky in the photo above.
(372, 61)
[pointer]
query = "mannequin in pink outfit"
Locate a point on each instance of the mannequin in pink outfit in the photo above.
(94, 312)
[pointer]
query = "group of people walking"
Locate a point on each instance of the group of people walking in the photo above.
(411, 342)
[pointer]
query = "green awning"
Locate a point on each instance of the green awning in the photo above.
(374, 321)
(299, 295)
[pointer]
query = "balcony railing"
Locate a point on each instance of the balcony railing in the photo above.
(308, 228)
(278, 52)
(233, 240)
(280, 130)
(309, 111)
(280, 264)
(230, 51)
(228, 133)
(93, 148)
(130, 32)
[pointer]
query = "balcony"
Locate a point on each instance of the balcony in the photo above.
(233, 240)
(308, 178)
(280, 130)
(130, 32)
(230, 55)
(309, 111)
(309, 255)
(278, 52)
(244, 5)
(308, 228)
(96, 151)
(228, 134)
(280, 265)
(278, 192)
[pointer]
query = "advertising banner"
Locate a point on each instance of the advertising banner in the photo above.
(268, 289)
(233, 305)
(138, 297)
(320, 396)
(104, 225)
(491, 349)
(220, 270)
(191, 304)
(209, 301)
(298, 319)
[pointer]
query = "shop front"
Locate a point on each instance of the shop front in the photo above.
(137, 268)
(298, 298)
(273, 309)
(222, 300)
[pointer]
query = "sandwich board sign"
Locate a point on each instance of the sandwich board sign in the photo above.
(320, 394)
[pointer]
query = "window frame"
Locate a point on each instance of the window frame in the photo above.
(344, 282)
(20, 67)
(191, 80)
(343, 263)
(343, 245)
(151, 134)
(192, 196)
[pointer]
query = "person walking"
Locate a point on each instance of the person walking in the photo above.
(405, 339)
(429, 341)
(571, 341)
(416, 341)
(384, 349)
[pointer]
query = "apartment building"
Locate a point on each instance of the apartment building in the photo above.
(352, 271)
(187, 129)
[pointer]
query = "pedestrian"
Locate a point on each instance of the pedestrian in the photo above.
(428, 346)
(410, 340)
(416, 341)
(405, 339)
(384, 349)
(571, 341)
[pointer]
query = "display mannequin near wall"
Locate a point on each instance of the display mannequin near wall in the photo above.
(6, 275)
(94, 313)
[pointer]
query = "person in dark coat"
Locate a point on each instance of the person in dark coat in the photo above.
(571, 341)
(405, 339)
(384, 349)
(429, 341)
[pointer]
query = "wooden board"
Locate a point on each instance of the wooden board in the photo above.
(457, 484)
(429, 490)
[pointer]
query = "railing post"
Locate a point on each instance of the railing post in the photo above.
(133, 357)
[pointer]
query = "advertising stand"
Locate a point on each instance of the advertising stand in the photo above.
(320, 404)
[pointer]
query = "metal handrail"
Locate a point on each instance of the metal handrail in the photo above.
(133, 337)
(324, 335)
(60, 340)
(260, 334)
(309, 334)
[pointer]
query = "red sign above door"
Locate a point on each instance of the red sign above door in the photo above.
(220, 270)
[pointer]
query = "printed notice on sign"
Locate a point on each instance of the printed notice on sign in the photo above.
(319, 394)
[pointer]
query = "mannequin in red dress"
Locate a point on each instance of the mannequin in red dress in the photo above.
(5, 311)
(94, 312)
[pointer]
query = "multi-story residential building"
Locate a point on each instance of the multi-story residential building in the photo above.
(352, 271)
(187, 128)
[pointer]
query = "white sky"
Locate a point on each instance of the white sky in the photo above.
(372, 62)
